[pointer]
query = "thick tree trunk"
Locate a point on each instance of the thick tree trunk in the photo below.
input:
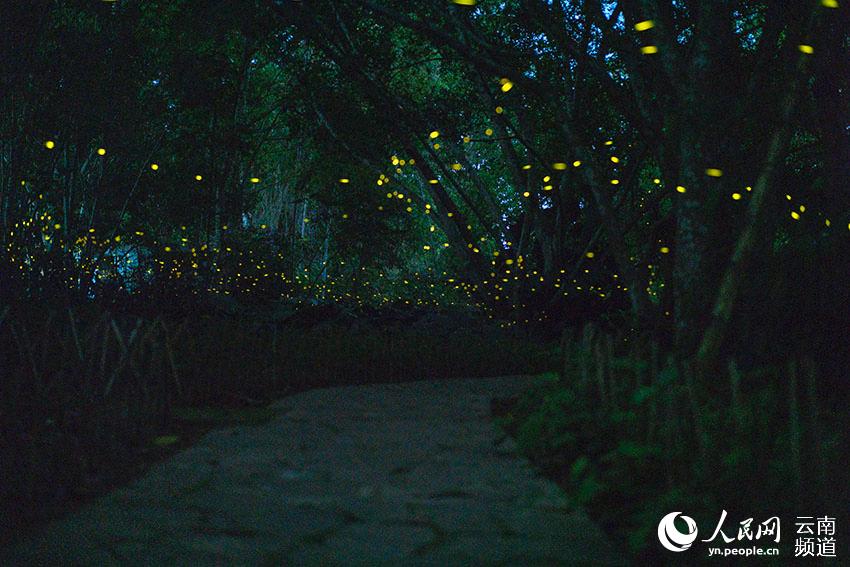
(734, 275)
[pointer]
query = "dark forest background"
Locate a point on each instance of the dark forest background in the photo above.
(213, 203)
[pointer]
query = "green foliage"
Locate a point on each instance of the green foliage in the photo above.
(631, 445)
(549, 427)
(272, 106)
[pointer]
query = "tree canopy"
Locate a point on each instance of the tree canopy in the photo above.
(681, 166)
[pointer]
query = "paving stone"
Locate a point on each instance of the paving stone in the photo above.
(412, 474)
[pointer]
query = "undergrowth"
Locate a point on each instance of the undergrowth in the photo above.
(633, 437)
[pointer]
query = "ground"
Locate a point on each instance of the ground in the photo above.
(413, 474)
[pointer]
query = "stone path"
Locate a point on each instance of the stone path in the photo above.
(399, 474)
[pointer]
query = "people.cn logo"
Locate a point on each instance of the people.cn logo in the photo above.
(670, 536)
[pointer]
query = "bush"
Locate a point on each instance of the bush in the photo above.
(633, 439)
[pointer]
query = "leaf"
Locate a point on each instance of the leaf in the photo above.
(588, 488)
(636, 450)
(668, 375)
(642, 394)
(563, 440)
(579, 466)
(165, 440)
(548, 378)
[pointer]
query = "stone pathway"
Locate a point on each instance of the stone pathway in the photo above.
(397, 474)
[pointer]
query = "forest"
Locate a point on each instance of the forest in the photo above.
(206, 206)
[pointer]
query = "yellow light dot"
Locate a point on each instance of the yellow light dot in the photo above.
(680, 189)
(802, 208)
(656, 181)
(527, 166)
(615, 159)
(807, 49)
(198, 178)
(488, 131)
(436, 146)
(255, 180)
(664, 250)
(736, 196)
(748, 188)
(526, 194)
(547, 187)
(644, 25)
(101, 151)
(433, 181)
(713, 172)
(118, 238)
(509, 261)
(649, 49)
(57, 226)
(795, 215)
(827, 223)
(615, 182)
(154, 166)
(466, 139)
(829, 3)
(546, 179)
(465, 2)
(168, 248)
(345, 215)
(434, 135)
(576, 163)
(559, 166)
(499, 110)
(49, 144)
(590, 255)
(506, 85)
